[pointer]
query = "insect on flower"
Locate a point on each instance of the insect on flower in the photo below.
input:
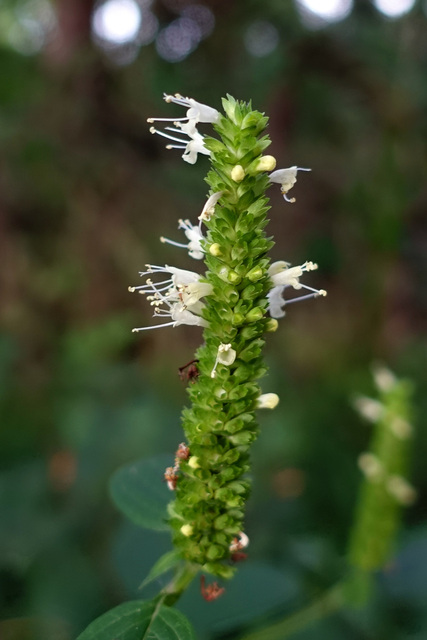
(211, 591)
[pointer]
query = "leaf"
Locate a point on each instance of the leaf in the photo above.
(139, 491)
(139, 620)
(166, 562)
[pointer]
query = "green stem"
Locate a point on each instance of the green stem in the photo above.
(328, 603)
(179, 583)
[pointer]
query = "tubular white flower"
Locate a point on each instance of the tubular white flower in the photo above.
(226, 355)
(177, 297)
(191, 147)
(283, 276)
(209, 208)
(268, 401)
(195, 110)
(195, 237)
(286, 178)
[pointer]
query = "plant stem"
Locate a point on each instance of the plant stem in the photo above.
(179, 583)
(328, 603)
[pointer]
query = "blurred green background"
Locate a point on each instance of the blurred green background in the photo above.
(85, 193)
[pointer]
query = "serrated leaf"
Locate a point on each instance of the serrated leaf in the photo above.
(139, 491)
(140, 620)
(166, 562)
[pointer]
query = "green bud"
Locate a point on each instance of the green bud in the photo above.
(243, 437)
(215, 250)
(271, 325)
(214, 552)
(255, 314)
(255, 274)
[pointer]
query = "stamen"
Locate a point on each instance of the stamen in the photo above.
(156, 326)
(166, 135)
(175, 244)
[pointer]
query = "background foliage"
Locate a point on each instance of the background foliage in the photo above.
(85, 193)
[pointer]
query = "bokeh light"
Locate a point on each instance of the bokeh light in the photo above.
(202, 15)
(316, 13)
(148, 29)
(176, 41)
(261, 38)
(29, 26)
(117, 21)
(394, 8)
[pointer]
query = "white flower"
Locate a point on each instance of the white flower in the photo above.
(226, 355)
(194, 235)
(401, 490)
(196, 112)
(370, 409)
(286, 178)
(384, 378)
(283, 276)
(371, 466)
(209, 208)
(178, 297)
(191, 147)
(240, 542)
(268, 401)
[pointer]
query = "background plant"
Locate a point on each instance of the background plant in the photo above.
(85, 195)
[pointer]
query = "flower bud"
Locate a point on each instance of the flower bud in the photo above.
(271, 325)
(193, 462)
(254, 314)
(268, 401)
(266, 163)
(215, 250)
(255, 274)
(187, 530)
(237, 173)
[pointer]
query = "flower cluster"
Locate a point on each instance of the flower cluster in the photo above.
(236, 301)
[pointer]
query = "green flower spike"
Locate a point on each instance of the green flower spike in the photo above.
(385, 489)
(236, 301)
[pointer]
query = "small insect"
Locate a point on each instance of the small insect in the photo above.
(211, 591)
(171, 478)
(189, 372)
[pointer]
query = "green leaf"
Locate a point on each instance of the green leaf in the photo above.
(139, 491)
(139, 620)
(166, 562)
